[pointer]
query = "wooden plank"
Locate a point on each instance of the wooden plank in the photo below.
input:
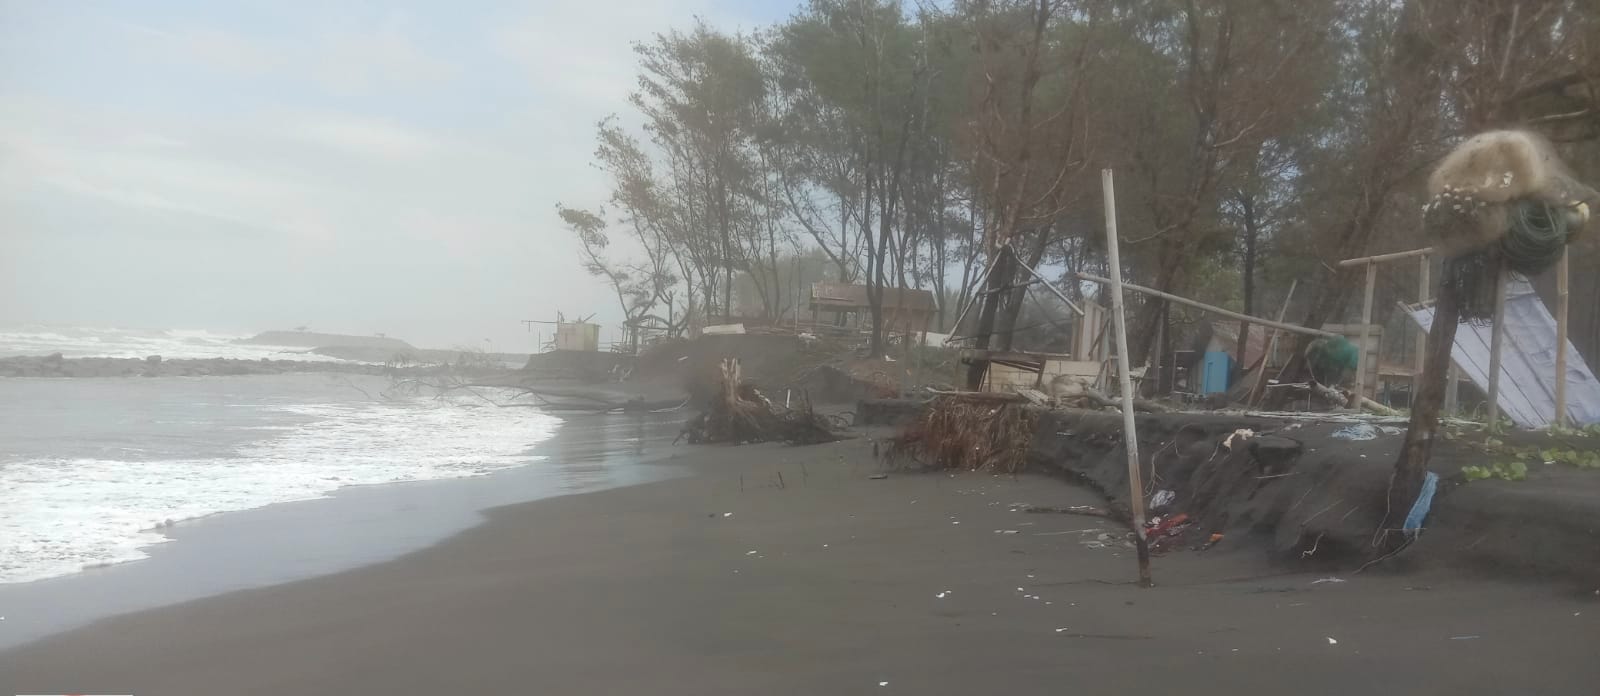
(1496, 345)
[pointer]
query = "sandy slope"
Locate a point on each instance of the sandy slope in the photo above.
(829, 584)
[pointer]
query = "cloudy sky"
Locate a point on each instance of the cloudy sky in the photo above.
(355, 167)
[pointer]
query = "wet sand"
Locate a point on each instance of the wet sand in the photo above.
(826, 582)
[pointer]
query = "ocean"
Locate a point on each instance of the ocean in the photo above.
(92, 471)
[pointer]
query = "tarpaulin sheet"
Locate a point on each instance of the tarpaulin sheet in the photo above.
(1527, 362)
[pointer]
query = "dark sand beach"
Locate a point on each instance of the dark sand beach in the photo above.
(732, 580)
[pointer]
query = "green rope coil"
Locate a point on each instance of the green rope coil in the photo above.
(1536, 238)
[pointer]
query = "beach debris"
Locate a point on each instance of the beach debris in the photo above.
(1241, 434)
(1328, 579)
(880, 477)
(1465, 637)
(1005, 531)
(941, 595)
(1063, 629)
(1358, 432)
(883, 683)
(1331, 641)
(1088, 510)
(1161, 499)
(976, 431)
(1215, 538)
(738, 413)
(727, 514)
(750, 553)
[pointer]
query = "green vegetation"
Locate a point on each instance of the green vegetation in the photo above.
(1505, 471)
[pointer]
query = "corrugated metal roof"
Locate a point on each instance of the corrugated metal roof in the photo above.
(855, 295)
(1527, 363)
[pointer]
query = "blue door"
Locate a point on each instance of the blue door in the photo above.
(1214, 375)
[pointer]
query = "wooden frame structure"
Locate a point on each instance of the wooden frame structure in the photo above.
(1496, 343)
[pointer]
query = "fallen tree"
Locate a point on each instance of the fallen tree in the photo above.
(738, 413)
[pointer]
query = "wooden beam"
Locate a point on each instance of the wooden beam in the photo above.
(1291, 328)
(1496, 346)
(1423, 286)
(1271, 347)
(1130, 435)
(1561, 339)
(1384, 258)
(1366, 336)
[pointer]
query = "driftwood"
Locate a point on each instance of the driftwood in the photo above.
(738, 413)
(968, 431)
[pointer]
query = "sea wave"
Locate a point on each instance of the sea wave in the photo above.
(62, 515)
(103, 342)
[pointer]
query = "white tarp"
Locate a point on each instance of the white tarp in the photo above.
(1527, 362)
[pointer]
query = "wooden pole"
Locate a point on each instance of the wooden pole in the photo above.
(1047, 285)
(1291, 328)
(1271, 347)
(1561, 340)
(1130, 437)
(1366, 336)
(1496, 345)
(1423, 269)
(1381, 258)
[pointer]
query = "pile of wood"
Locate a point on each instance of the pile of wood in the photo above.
(977, 431)
(738, 413)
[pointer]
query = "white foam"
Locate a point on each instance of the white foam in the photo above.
(93, 342)
(62, 515)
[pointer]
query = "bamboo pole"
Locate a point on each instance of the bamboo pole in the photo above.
(1383, 258)
(1291, 328)
(1561, 340)
(1271, 346)
(1366, 336)
(1046, 284)
(1423, 269)
(1130, 437)
(1496, 345)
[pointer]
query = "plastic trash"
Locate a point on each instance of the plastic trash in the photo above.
(1162, 499)
(1359, 431)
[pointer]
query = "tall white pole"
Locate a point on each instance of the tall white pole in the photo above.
(1130, 436)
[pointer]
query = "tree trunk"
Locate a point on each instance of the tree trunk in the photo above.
(999, 277)
(1250, 233)
(1012, 307)
(1412, 466)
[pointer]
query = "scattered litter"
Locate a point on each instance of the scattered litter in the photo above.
(1161, 499)
(1242, 433)
(727, 514)
(942, 594)
(956, 522)
(1465, 637)
(883, 683)
(1359, 431)
(1424, 501)
(1005, 531)
(1061, 630)
(1216, 537)
(750, 553)
(1331, 641)
(879, 477)
(1030, 576)
(1089, 510)
(1390, 430)
(1021, 590)
(824, 546)
(1328, 579)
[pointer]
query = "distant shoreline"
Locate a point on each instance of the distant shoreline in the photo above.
(57, 366)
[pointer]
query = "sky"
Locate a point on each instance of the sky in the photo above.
(352, 167)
